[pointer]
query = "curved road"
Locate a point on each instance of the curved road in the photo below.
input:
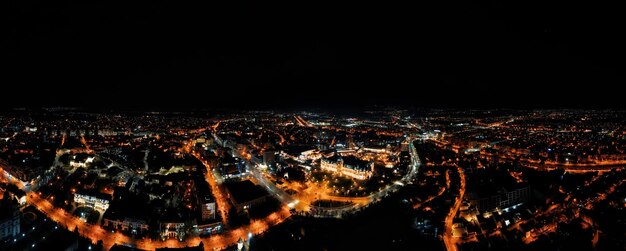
(95, 232)
(447, 235)
(221, 241)
(365, 200)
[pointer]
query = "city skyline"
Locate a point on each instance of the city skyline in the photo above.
(440, 179)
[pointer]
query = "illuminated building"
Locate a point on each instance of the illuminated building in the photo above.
(232, 167)
(503, 198)
(404, 146)
(209, 228)
(175, 223)
(349, 166)
(131, 225)
(208, 208)
(81, 160)
(310, 155)
(172, 229)
(96, 201)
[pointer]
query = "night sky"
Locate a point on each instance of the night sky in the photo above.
(114, 54)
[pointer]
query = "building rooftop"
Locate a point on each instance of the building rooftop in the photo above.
(351, 162)
(244, 191)
(7, 207)
(94, 193)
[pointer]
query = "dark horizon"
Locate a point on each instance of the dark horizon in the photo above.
(330, 109)
(114, 54)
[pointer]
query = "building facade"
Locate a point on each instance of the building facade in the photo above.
(9, 217)
(173, 229)
(209, 228)
(208, 209)
(10, 226)
(349, 166)
(501, 200)
(95, 202)
(133, 226)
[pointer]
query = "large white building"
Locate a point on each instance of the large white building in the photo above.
(349, 166)
(81, 161)
(98, 202)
